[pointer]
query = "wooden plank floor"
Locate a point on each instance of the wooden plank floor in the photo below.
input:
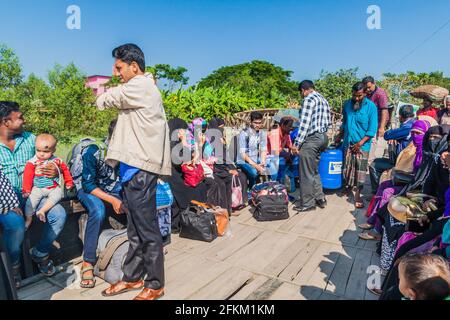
(316, 255)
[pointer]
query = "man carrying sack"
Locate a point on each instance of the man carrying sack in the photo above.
(140, 146)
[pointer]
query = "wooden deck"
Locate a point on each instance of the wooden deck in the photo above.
(311, 256)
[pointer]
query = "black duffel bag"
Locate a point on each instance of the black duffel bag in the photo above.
(198, 224)
(271, 208)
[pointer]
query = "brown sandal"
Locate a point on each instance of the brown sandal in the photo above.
(122, 287)
(366, 226)
(359, 204)
(369, 237)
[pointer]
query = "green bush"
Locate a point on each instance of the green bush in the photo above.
(64, 106)
(209, 102)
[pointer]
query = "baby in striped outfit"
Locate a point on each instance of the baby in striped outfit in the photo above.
(36, 186)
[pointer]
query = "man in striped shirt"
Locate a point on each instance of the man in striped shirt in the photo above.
(16, 148)
(312, 140)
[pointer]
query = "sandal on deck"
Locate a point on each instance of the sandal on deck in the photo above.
(45, 265)
(359, 204)
(366, 226)
(375, 291)
(369, 237)
(85, 278)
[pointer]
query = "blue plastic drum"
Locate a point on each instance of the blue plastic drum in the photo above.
(330, 169)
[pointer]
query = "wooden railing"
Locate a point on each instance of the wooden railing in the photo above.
(242, 119)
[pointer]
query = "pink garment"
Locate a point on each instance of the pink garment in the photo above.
(385, 192)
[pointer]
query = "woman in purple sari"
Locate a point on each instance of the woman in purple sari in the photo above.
(387, 190)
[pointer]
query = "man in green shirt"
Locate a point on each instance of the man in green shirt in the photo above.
(16, 148)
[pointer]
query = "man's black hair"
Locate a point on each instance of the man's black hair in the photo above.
(407, 111)
(8, 107)
(256, 115)
(306, 85)
(358, 87)
(368, 79)
(129, 53)
(286, 121)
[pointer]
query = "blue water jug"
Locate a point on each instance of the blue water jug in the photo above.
(330, 168)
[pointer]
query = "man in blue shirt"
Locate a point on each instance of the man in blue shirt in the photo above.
(400, 137)
(360, 125)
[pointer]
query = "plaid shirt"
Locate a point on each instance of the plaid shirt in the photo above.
(315, 117)
(13, 163)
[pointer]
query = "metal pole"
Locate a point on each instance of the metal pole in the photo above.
(6, 275)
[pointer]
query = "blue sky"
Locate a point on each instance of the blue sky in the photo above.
(203, 35)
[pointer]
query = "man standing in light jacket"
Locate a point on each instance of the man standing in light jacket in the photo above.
(140, 146)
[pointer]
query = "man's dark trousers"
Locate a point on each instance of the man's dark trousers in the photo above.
(310, 183)
(145, 258)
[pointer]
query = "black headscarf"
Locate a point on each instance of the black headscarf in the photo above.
(182, 193)
(176, 123)
(432, 150)
(216, 123)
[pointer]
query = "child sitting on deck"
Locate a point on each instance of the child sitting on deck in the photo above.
(36, 186)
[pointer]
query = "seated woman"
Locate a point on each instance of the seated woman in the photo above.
(97, 185)
(225, 169)
(182, 147)
(430, 179)
(203, 153)
(387, 189)
(439, 220)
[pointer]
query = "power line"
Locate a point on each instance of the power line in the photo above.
(420, 45)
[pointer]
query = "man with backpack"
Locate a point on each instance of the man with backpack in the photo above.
(97, 183)
(140, 145)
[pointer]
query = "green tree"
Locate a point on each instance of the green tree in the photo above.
(257, 75)
(33, 96)
(71, 104)
(173, 75)
(336, 87)
(399, 85)
(10, 69)
(113, 82)
(209, 102)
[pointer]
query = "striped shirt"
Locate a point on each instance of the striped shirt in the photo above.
(315, 117)
(13, 162)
